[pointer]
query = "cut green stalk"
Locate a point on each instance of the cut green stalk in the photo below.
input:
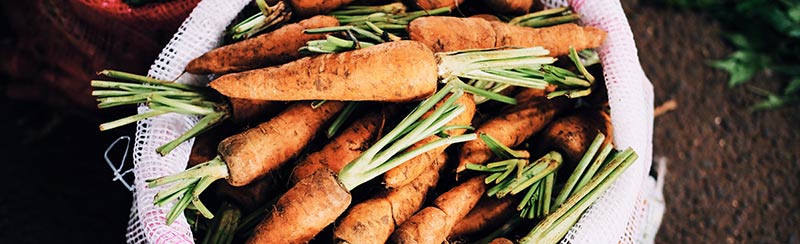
(161, 97)
(551, 21)
(595, 166)
(528, 198)
(582, 164)
(580, 201)
(222, 229)
(268, 17)
(549, 182)
(538, 14)
(573, 55)
(376, 160)
(360, 10)
(200, 207)
(193, 181)
(340, 118)
(500, 150)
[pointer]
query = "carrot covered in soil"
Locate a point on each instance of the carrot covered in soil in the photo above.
(249, 155)
(444, 34)
(394, 71)
(277, 47)
(512, 126)
(408, 171)
(488, 214)
(573, 134)
(374, 220)
(434, 4)
(341, 150)
(432, 224)
(309, 206)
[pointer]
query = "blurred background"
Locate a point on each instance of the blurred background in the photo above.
(726, 73)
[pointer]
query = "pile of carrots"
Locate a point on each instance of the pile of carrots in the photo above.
(376, 124)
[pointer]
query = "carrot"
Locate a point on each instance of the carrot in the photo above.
(443, 34)
(489, 213)
(255, 152)
(307, 208)
(395, 71)
(247, 156)
(512, 126)
(432, 224)
(277, 47)
(434, 4)
(514, 7)
(408, 171)
(573, 134)
(374, 220)
(317, 200)
(342, 149)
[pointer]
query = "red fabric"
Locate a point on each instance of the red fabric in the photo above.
(59, 45)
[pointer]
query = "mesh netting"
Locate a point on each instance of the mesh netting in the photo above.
(617, 217)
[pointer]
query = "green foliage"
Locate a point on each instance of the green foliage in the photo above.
(766, 36)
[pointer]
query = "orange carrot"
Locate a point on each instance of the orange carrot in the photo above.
(514, 7)
(257, 151)
(434, 4)
(277, 47)
(443, 34)
(432, 224)
(512, 127)
(317, 200)
(306, 8)
(406, 172)
(342, 149)
(374, 220)
(488, 214)
(573, 134)
(395, 71)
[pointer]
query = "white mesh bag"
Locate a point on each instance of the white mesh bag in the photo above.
(619, 216)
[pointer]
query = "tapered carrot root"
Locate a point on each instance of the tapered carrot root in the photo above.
(515, 7)
(342, 149)
(432, 224)
(395, 71)
(374, 220)
(277, 47)
(257, 151)
(489, 213)
(512, 127)
(443, 34)
(406, 172)
(304, 210)
(573, 134)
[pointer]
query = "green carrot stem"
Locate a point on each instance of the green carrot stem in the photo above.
(579, 169)
(181, 105)
(585, 196)
(148, 80)
(386, 36)
(548, 192)
(550, 21)
(487, 94)
(493, 191)
(202, 208)
(177, 209)
(553, 162)
(527, 199)
(402, 158)
(483, 168)
(537, 14)
(341, 118)
(573, 55)
(124, 85)
(598, 161)
(223, 228)
(161, 199)
(203, 125)
(215, 168)
(129, 119)
(416, 14)
(361, 10)
(501, 150)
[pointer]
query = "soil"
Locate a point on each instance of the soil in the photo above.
(734, 175)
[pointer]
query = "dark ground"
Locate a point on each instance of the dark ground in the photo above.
(734, 176)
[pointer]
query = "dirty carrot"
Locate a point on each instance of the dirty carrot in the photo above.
(489, 213)
(447, 34)
(273, 48)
